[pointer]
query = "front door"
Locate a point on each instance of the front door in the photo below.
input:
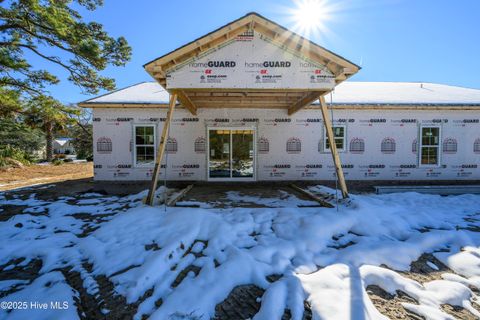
(231, 154)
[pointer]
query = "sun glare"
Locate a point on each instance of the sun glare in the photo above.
(310, 13)
(310, 16)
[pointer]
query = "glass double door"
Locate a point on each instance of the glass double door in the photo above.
(231, 154)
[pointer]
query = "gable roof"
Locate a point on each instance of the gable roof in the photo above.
(346, 93)
(339, 66)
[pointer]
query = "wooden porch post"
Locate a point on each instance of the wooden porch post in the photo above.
(161, 150)
(333, 147)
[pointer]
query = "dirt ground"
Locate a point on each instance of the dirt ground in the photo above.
(41, 174)
(242, 303)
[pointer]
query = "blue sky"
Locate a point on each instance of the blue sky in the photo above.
(393, 40)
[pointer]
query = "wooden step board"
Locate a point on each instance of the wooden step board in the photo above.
(313, 196)
(178, 195)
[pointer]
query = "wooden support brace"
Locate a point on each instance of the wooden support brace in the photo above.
(161, 150)
(186, 102)
(333, 147)
(305, 101)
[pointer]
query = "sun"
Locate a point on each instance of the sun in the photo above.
(311, 16)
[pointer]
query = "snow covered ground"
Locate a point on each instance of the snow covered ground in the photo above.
(183, 262)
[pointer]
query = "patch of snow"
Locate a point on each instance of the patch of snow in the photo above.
(6, 285)
(285, 200)
(324, 256)
(45, 290)
(465, 262)
(432, 265)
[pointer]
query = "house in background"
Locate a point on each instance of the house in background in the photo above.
(63, 146)
(248, 109)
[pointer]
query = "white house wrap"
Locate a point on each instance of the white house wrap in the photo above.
(248, 110)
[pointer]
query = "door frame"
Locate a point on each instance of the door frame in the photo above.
(246, 179)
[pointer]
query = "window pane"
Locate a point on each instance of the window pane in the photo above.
(339, 143)
(145, 135)
(339, 135)
(430, 136)
(139, 140)
(149, 154)
(140, 154)
(145, 155)
(429, 155)
(219, 154)
(149, 130)
(140, 135)
(338, 132)
(139, 131)
(149, 139)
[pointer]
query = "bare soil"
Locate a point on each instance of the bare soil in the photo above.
(13, 178)
(391, 305)
(242, 303)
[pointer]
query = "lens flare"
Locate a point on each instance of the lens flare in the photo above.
(311, 14)
(310, 17)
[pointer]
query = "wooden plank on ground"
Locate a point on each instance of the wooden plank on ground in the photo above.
(312, 196)
(179, 195)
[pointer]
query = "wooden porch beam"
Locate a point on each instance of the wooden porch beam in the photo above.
(161, 150)
(304, 101)
(333, 147)
(186, 102)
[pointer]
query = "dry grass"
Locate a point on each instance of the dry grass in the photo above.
(39, 174)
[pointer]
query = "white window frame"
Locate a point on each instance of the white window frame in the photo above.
(144, 165)
(439, 146)
(326, 148)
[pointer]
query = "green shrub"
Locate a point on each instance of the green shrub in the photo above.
(57, 162)
(10, 155)
(20, 136)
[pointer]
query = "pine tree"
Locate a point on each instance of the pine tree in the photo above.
(54, 31)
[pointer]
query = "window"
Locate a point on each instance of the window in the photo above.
(339, 137)
(429, 145)
(414, 146)
(144, 145)
(476, 146)
(263, 145)
(200, 145)
(104, 145)
(357, 145)
(449, 145)
(171, 146)
(294, 145)
(388, 145)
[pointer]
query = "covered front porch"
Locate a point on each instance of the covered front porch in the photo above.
(251, 63)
